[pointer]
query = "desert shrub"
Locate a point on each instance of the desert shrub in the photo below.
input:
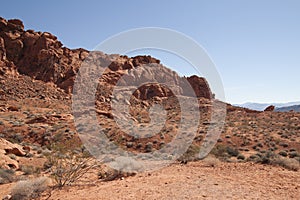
(191, 154)
(30, 170)
(274, 159)
(223, 152)
(294, 154)
(283, 153)
(232, 151)
(297, 159)
(149, 147)
(219, 151)
(6, 176)
(67, 169)
(211, 161)
(29, 189)
(288, 163)
(241, 157)
(266, 158)
(16, 138)
(253, 158)
(109, 174)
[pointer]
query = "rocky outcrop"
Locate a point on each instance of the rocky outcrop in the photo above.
(148, 91)
(7, 148)
(2, 50)
(43, 57)
(15, 151)
(200, 87)
(138, 60)
(6, 67)
(152, 78)
(270, 108)
(39, 55)
(125, 63)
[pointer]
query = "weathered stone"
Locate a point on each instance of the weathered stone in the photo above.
(270, 108)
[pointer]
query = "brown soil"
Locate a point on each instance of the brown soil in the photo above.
(195, 181)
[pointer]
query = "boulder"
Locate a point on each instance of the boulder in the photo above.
(200, 87)
(6, 148)
(139, 60)
(152, 90)
(16, 151)
(15, 24)
(269, 108)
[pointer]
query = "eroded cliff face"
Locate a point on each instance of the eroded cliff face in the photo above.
(41, 56)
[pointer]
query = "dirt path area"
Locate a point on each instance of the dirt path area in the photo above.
(196, 181)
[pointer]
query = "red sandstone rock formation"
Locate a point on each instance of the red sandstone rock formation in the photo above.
(270, 108)
(43, 57)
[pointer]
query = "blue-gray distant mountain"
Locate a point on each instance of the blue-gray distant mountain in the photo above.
(262, 106)
(295, 108)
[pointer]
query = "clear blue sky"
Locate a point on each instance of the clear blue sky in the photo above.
(255, 44)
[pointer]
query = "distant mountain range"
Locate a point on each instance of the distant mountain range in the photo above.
(295, 108)
(282, 107)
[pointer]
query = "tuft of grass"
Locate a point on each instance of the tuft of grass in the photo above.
(288, 163)
(29, 189)
(6, 176)
(211, 161)
(30, 170)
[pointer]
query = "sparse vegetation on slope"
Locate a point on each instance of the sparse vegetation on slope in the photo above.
(38, 135)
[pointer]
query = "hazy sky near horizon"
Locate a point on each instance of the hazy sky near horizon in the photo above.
(255, 44)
